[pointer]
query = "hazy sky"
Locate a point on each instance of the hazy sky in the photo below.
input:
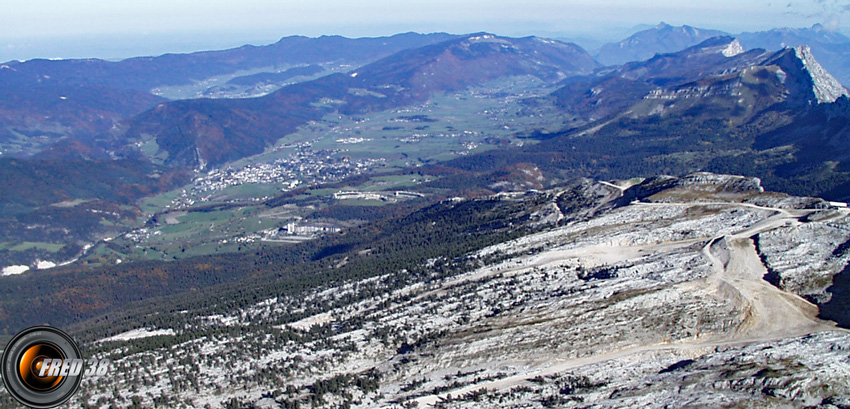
(120, 28)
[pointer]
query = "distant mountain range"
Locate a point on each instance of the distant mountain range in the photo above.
(212, 132)
(775, 115)
(831, 48)
(66, 106)
(716, 106)
(146, 73)
(662, 38)
(571, 233)
(43, 101)
(698, 71)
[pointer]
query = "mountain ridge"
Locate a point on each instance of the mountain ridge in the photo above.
(825, 87)
(572, 284)
(713, 104)
(831, 48)
(660, 39)
(695, 111)
(646, 252)
(145, 73)
(47, 101)
(243, 127)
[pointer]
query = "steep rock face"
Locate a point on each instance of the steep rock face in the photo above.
(708, 69)
(811, 259)
(715, 72)
(734, 48)
(831, 48)
(805, 77)
(827, 89)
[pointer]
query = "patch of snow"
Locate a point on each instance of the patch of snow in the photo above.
(353, 75)
(307, 323)
(781, 75)
(15, 270)
(482, 37)
(221, 319)
(138, 333)
(734, 48)
(43, 265)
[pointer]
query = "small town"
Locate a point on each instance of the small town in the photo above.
(304, 166)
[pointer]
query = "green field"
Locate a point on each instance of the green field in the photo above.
(249, 191)
(445, 127)
(30, 245)
(439, 129)
(363, 202)
(184, 234)
(156, 203)
(398, 182)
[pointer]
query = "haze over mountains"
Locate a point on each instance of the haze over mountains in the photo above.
(85, 98)
(444, 220)
(213, 132)
(831, 48)
(727, 106)
(147, 73)
(663, 38)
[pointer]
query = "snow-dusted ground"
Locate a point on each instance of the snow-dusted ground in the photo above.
(137, 333)
(15, 270)
(651, 304)
(809, 371)
(43, 265)
(309, 322)
(818, 242)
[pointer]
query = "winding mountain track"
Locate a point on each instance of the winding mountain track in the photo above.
(771, 313)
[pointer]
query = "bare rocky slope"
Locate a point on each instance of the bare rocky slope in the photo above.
(623, 294)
